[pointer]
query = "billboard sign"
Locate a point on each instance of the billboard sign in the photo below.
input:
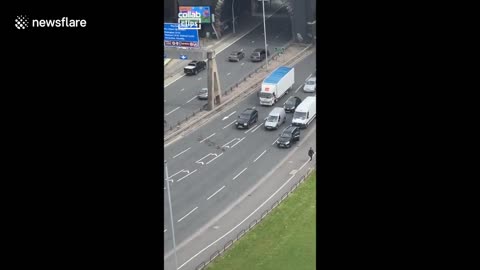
(195, 12)
(177, 37)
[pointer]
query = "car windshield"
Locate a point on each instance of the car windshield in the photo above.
(285, 135)
(272, 118)
(203, 91)
(291, 101)
(300, 115)
(256, 54)
(245, 116)
(310, 83)
(234, 53)
(265, 95)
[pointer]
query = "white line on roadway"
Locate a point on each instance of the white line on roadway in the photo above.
(191, 99)
(187, 214)
(173, 110)
(199, 79)
(257, 127)
(298, 88)
(215, 193)
(214, 158)
(228, 115)
(243, 63)
(275, 141)
(182, 89)
(186, 176)
(309, 76)
(250, 129)
(260, 155)
(207, 138)
(164, 230)
(229, 73)
(233, 145)
(229, 124)
(239, 174)
(182, 152)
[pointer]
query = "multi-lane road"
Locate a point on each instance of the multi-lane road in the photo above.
(213, 166)
(180, 96)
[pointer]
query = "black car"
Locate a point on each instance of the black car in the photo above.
(194, 67)
(290, 135)
(259, 55)
(236, 56)
(291, 104)
(247, 118)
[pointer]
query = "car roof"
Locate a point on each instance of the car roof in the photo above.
(249, 110)
(312, 79)
(290, 129)
(235, 52)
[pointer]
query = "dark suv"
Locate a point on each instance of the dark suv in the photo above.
(247, 118)
(258, 55)
(290, 135)
(236, 56)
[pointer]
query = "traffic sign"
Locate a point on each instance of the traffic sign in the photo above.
(174, 37)
(183, 57)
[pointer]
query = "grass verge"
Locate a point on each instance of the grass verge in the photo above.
(285, 239)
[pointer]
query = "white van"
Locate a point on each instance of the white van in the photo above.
(275, 118)
(305, 112)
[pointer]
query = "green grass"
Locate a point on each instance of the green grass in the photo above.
(285, 239)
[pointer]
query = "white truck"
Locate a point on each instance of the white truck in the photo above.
(276, 85)
(305, 112)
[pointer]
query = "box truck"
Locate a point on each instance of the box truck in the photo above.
(276, 85)
(305, 112)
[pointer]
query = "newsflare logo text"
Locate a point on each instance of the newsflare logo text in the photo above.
(23, 22)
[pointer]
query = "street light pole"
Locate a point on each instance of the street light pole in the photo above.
(233, 16)
(171, 214)
(265, 32)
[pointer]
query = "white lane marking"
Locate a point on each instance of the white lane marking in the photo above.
(257, 127)
(229, 73)
(186, 176)
(214, 158)
(229, 142)
(164, 100)
(199, 79)
(209, 154)
(215, 193)
(183, 170)
(238, 225)
(226, 117)
(207, 138)
(241, 49)
(275, 141)
(174, 80)
(173, 110)
(229, 124)
(250, 129)
(182, 152)
(243, 63)
(182, 89)
(308, 77)
(239, 174)
(187, 214)
(191, 99)
(260, 155)
(298, 88)
(237, 142)
(164, 230)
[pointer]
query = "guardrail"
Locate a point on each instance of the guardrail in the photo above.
(228, 91)
(252, 224)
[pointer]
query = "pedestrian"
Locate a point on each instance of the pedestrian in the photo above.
(310, 153)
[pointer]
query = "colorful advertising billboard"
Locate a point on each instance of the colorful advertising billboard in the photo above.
(203, 11)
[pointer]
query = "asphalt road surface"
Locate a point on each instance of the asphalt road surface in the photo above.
(180, 98)
(206, 178)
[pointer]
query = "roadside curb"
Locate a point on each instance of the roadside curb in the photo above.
(203, 117)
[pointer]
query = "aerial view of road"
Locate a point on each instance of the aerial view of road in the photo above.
(180, 97)
(222, 177)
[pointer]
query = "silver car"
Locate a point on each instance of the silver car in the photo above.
(203, 93)
(310, 85)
